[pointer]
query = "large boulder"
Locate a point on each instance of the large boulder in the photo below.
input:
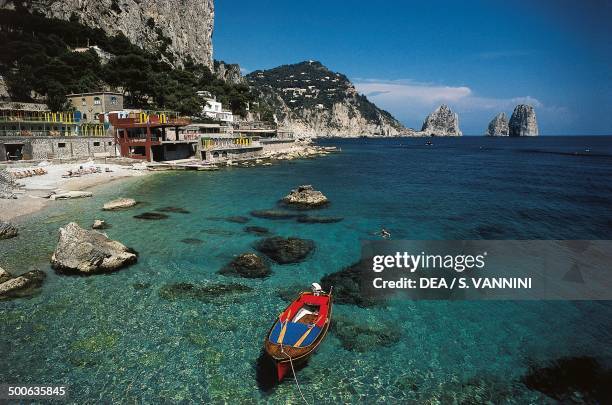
(498, 126)
(523, 121)
(24, 285)
(87, 252)
(442, 122)
(306, 197)
(8, 230)
(119, 204)
(247, 265)
(285, 250)
(99, 224)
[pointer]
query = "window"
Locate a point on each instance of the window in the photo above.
(97, 101)
(83, 101)
(84, 116)
(61, 145)
(113, 100)
(110, 143)
(96, 143)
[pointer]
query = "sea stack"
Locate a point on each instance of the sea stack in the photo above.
(523, 121)
(498, 126)
(442, 122)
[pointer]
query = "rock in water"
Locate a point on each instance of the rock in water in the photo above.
(118, 204)
(4, 275)
(87, 252)
(257, 230)
(347, 285)
(442, 122)
(305, 197)
(69, 195)
(154, 216)
(274, 214)
(498, 126)
(285, 250)
(247, 265)
(22, 286)
(523, 121)
(99, 224)
(8, 230)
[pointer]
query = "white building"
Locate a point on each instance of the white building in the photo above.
(214, 109)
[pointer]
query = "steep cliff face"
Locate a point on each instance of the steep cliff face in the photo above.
(523, 121)
(498, 126)
(180, 29)
(442, 122)
(313, 101)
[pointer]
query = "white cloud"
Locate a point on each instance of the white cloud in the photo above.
(411, 101)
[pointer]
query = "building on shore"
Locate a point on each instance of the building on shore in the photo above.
(89, 106)
(144, 135)
(213, 109)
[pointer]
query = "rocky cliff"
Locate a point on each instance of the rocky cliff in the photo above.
(228, 72)
(498, 126)
(442, 122)
(523, 121)
(313, 101)
(180, 29)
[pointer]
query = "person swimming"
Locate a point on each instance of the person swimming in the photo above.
(384, 233)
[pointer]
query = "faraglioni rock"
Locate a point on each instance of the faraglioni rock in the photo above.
(305, 196)
(88, 252)
(442, 122)
(523, 121)
(498, 126)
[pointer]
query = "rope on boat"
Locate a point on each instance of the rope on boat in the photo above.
(294, 376)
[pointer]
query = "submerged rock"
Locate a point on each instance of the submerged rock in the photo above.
(572, 380)
(362, 335)
(100, 224)
(257, 230)
(238, 219)
(8, 230)
(289, 293)
(24, 285)
(285, 250)
(154, 216)
(192, 241)
(498, 126)
(204, 293)
(87, 252)
(442, 122)
(523, 121)
(347, 286)
(274, 214)
(247, 265)
(177, 210)
(305, 196)
(119, 204)
(307, 219)
(68, 195)
(141, 286)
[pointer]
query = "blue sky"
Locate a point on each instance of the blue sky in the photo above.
(479, 57)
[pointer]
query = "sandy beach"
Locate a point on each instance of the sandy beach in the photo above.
(33, 196)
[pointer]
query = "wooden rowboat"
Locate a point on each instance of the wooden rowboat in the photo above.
(299, 330)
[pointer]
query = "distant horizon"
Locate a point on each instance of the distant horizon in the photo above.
(555, 55)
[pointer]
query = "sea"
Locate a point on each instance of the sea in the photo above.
(162, 331)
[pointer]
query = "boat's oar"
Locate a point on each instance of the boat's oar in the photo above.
(281, 335)
(304, 336)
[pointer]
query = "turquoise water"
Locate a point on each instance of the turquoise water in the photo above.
(113, 338)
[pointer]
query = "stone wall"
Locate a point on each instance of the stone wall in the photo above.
(49, 148)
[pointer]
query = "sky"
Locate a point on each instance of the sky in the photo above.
(479, 57)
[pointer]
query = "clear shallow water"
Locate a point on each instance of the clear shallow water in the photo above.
(113, 338)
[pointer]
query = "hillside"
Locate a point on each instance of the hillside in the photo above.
(311, 100)
(40, 60)
(178, 30)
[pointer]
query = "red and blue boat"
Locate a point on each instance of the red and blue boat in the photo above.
(299, 330)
